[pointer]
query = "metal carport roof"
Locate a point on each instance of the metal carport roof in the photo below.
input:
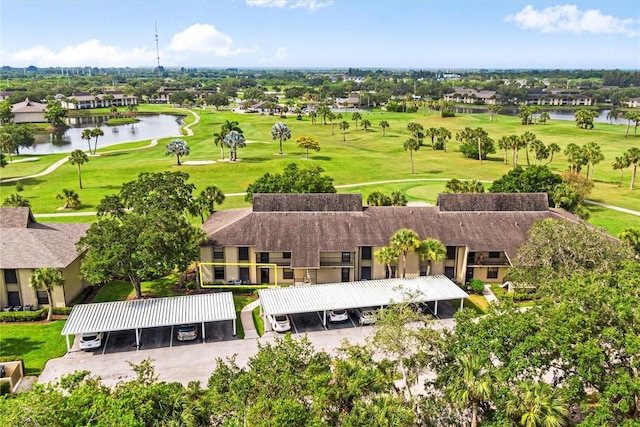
(149, 313)
(366, 293)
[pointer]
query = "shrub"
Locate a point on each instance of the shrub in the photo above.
(62, 311)
(5, 388)
(22, 316)
(477, 286)
(5, 359)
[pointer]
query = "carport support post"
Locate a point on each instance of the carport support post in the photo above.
(324, 318)
(68, 347)
(137, 340)
(435, 308)
(234, 327)
(203, 337)
(461, 303)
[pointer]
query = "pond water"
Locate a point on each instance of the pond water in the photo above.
(554, 114)
(67, 140)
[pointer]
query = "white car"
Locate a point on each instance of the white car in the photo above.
(187, 333)
(338, 316)
(90, 341)
(280, 323)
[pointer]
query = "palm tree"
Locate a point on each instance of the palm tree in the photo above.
(313, 116)
(621, 162)
(211, 196)
(594, 155)
(323, 111)
(47, 278)
(537, 405)
(344, 125)
(16, 201)
(629, 116)
(503, 144)
(70, 197)
(432, 133)
(416, 130)
(528, 138)
(443, 135)
(366, 124)
(613, 115)
(634, 155)
(432, 250)
(86, 134)
(178, 148)
(412, 145)
(540, 151)
(469, 383)
(386, 255)
(516, 143)
(355, 117)
(218, 139)
(281, 132)
(78, 157)
(234, 140)
(403, 242)
(331, 116)
(384, 125)
(493, 109)
(544, 116)
(553, 148)
(96, 133)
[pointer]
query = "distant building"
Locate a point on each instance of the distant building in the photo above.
(85, 100)
(28, 111)
(632, 103)
(557, 97)
(472, 96)
(352, 101)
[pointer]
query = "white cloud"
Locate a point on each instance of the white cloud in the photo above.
(568, 18)
(205, 38)
(90, 52)
(292, 4)
(278, 57)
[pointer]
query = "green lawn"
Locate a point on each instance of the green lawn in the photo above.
(120, 290)
(36, 342)
(363, 157)
(240, 300)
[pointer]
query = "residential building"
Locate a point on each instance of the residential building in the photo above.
(632, 103)
(556, 97)
(25, 245)
(328, 238)
(28, 111)
(472, 96)
(85, 100)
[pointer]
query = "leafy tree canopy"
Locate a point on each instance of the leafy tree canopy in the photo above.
(292, 180)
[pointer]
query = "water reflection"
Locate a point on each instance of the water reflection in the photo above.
(67, 140)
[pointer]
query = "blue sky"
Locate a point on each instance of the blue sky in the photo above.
(425, 34)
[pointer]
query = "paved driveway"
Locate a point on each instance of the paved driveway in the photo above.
(193, 362)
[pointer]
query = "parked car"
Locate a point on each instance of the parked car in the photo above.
(366, 315)
(338, 316)
(280, 323)
(90, 341)
(187, 333)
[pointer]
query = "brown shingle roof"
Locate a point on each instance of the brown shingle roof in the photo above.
(482, 202)
(305, 234)
(28, 106)
(25, 243)
(313, 202)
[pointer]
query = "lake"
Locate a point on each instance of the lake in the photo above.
(67, 140)
(554, 114)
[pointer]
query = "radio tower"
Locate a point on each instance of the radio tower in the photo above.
(158, 50)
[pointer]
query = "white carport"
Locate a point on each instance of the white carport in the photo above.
(150, 313)
(366, 293)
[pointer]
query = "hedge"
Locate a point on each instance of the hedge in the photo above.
(23, 316)
(62, 311)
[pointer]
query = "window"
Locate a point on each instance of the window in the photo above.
(287, 274)
(346, 256)
(494, 254)
(14, 298)
(43, 298)
(449, 272)
(451, 252)
(346, 274)
(218, 253)
(264, 257)
(286, 255)
(423, 270)
(243, 253)
(10, 276)
(244, 274)
(366, 252)
(218, 273)
(365, 273)
(492, 273)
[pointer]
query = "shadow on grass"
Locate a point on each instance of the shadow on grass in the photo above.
(20, 346)
(323, 158)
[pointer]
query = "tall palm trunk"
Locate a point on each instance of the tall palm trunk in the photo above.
(633, 176)
(50, 313)
(621, 172)
(79, 177)
(479, 151)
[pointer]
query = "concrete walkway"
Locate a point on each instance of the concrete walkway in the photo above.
(488, 295)
(246, 317)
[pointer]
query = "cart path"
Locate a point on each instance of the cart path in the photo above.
(61, 162)
(246, 317)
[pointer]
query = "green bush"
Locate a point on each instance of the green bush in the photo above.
(22, 316)
(4, 359)
(62, 311)
(477, 286)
